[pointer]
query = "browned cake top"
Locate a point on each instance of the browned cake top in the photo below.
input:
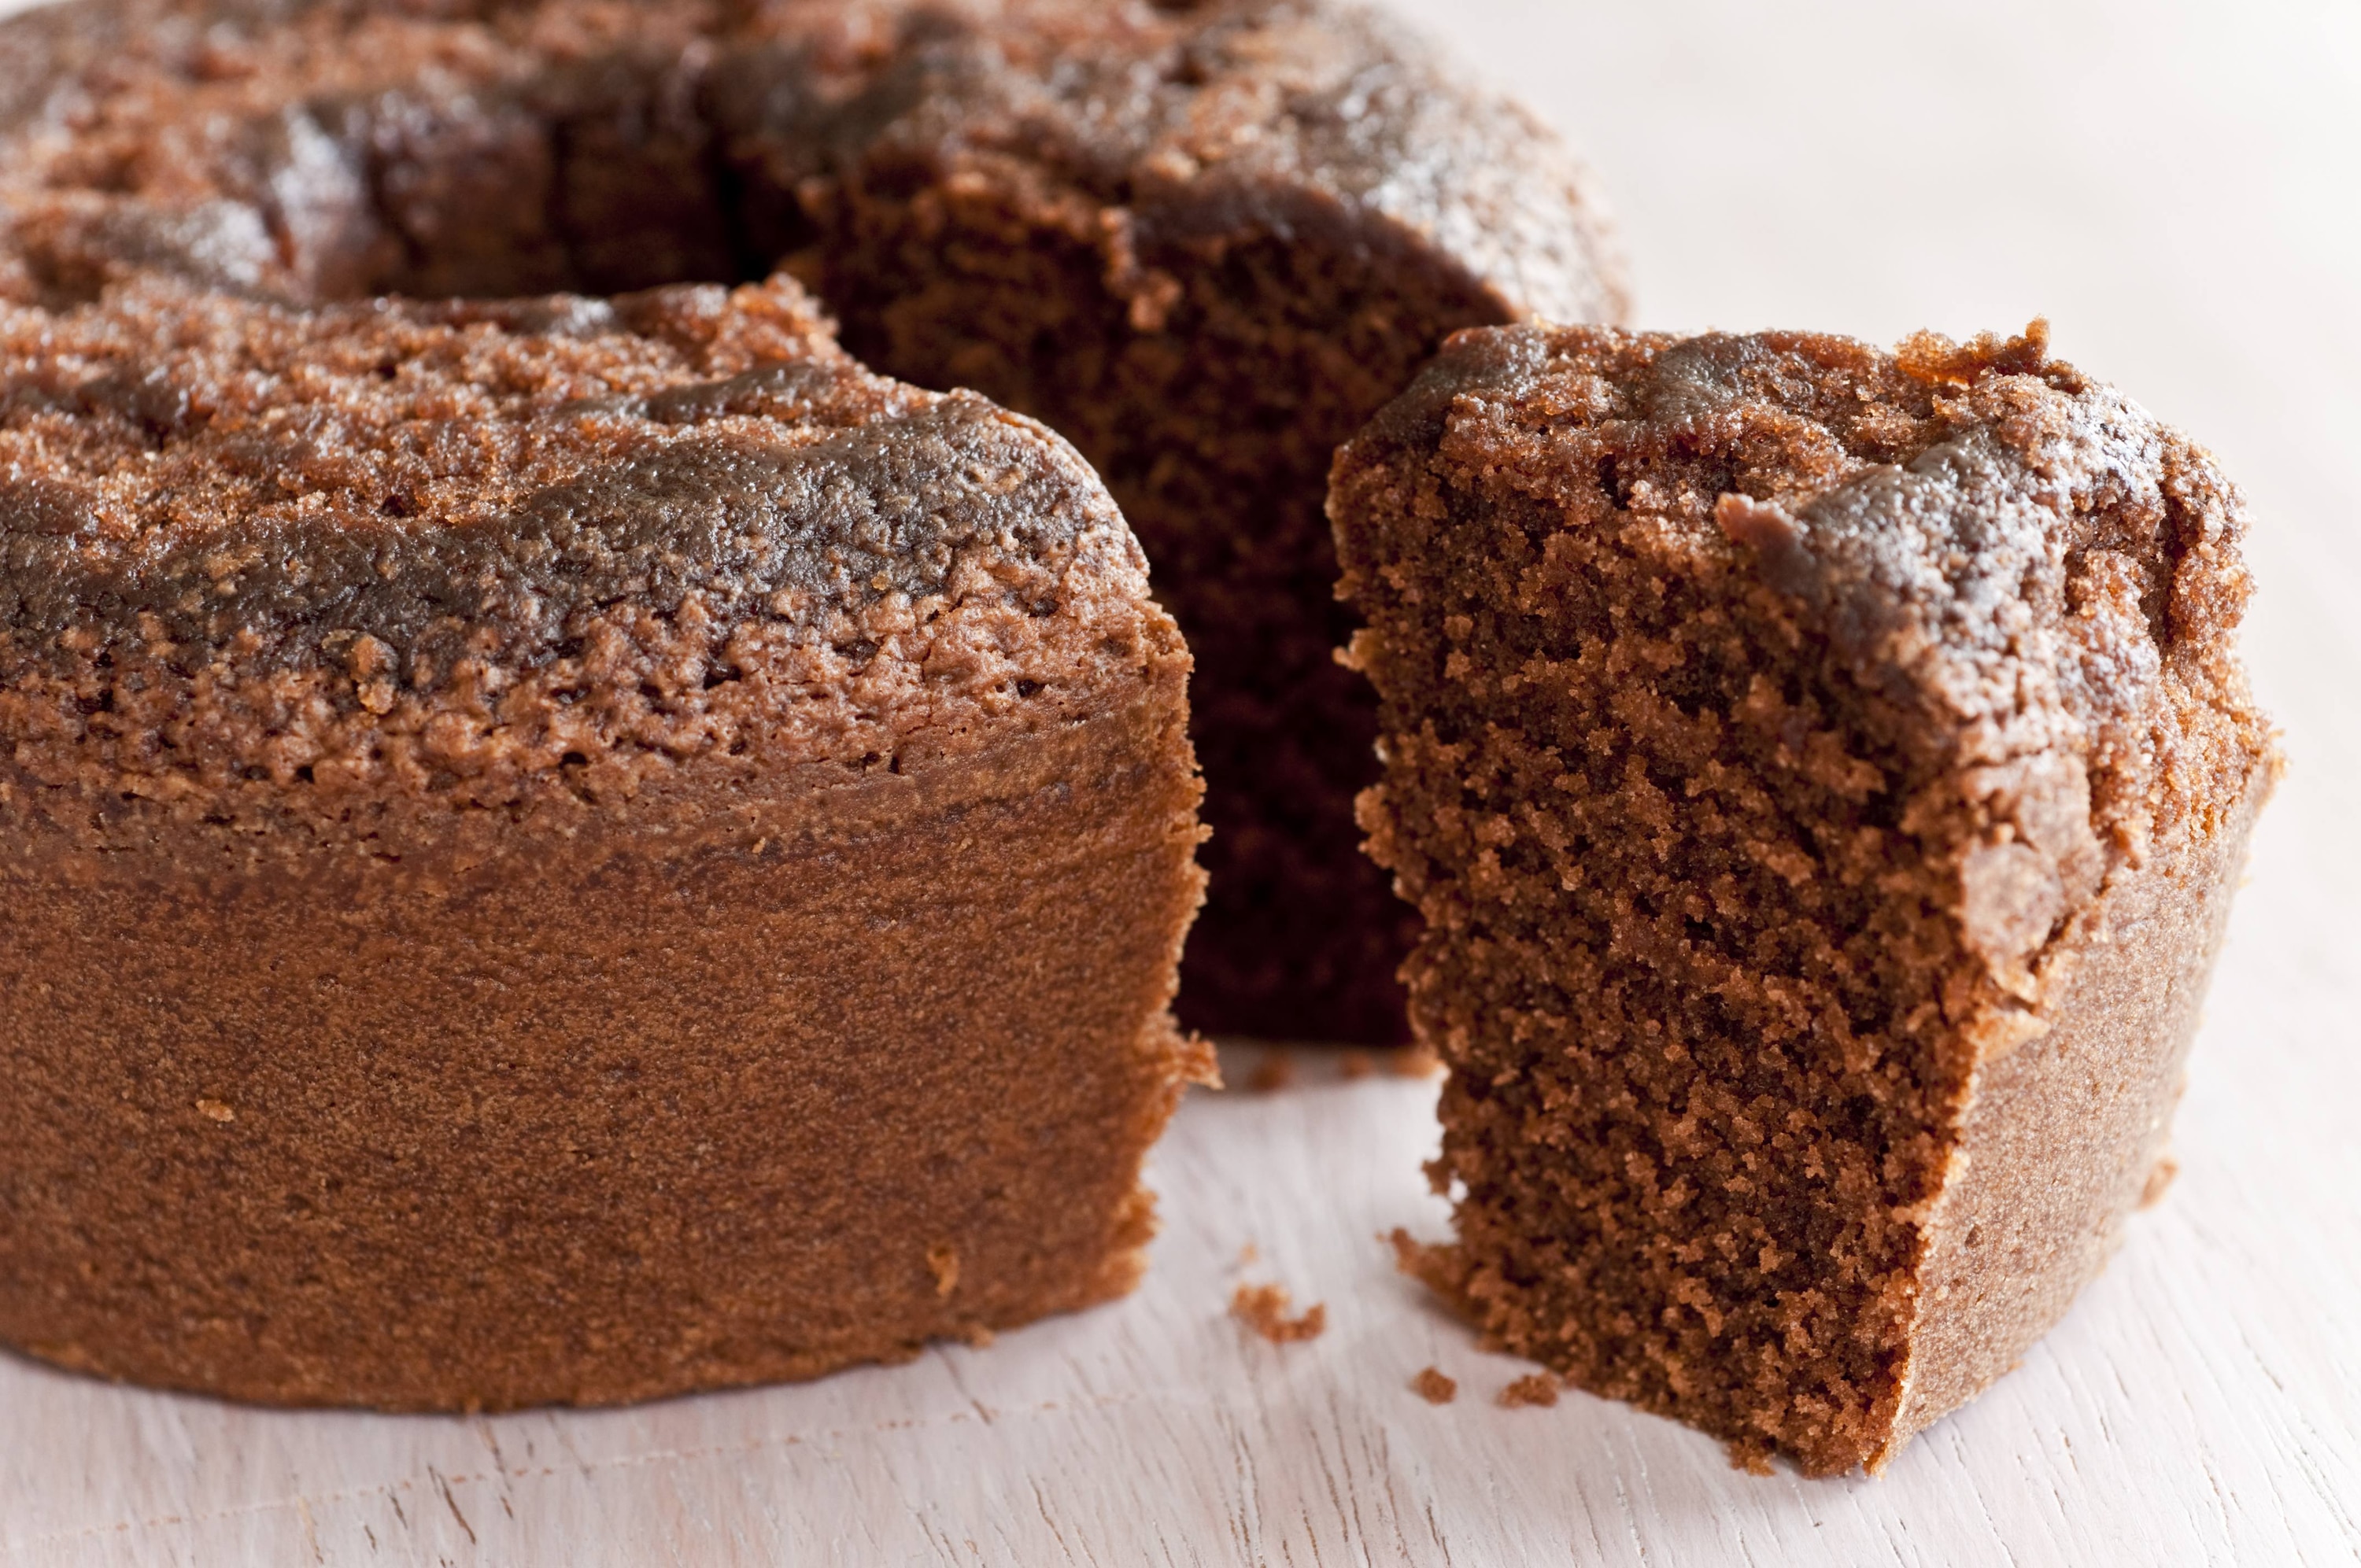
(486, 551)
(328, 148)
(2027, 572)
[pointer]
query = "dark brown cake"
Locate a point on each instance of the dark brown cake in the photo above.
(1203, 241)
(563, 850)
(1822, 776)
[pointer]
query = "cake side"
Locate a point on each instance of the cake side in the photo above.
(749, 1089)
(2066, 1132)
(688, 895)
(1766, 721)
(2066, 1135)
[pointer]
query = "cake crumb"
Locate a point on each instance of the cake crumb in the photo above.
(976, 1336)
(215, 1111)
(1246, 1255)
(1354, 1065)
(1435, 1265)
(943, 1263)
(1276, 1071)
(1433, 1387)
(1263, 1308)
(1534, 1388)
(2160, 1177)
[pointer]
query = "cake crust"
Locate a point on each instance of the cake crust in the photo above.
(1822, 775)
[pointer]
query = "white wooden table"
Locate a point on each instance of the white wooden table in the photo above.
(2176, 185)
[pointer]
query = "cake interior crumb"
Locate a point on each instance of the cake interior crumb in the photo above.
(1264, 1308)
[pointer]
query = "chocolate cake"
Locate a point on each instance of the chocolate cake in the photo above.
(563, 850)
(1821, 775)
(1203, 241)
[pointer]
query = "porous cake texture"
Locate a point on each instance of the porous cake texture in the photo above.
(1821, 775)
(1203, 241)
(563, 850)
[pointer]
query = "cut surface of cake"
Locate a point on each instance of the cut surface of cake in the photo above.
(1822, 775)
(563, 850)
(1203, 242)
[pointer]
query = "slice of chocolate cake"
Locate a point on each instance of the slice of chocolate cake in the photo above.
(563, 850)
(1822, 776)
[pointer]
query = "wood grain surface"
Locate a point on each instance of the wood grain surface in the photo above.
(2176, 185)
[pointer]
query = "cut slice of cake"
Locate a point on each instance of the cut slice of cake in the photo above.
(1822, 775)
(562, 851)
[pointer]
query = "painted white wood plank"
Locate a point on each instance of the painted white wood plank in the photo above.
(2172, 183)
